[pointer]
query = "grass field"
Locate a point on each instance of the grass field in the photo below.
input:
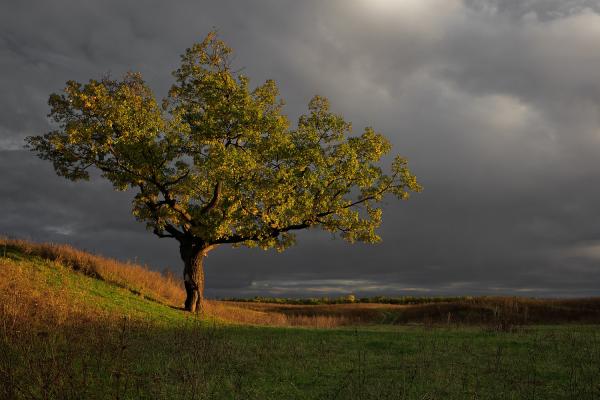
(74, 326)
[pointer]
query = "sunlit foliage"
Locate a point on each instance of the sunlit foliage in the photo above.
(218, 159)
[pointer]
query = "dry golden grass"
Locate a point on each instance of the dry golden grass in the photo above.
(499, 313)
(330, 316)
(27, 302)
(505, 312)
(315, 316)
(233, 313)
(138, 279)
(21, 295)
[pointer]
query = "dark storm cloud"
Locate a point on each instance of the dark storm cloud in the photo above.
(495, 103)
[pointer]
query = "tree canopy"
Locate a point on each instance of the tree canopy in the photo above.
(217, 161)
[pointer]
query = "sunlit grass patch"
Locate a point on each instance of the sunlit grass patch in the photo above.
(135, 278)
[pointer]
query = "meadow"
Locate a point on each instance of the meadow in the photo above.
(75, 325)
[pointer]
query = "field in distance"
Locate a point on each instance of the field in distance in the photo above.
(75, 325)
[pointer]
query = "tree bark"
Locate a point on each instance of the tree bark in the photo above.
(193, 275)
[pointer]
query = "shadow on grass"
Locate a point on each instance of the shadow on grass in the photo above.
(194, 359)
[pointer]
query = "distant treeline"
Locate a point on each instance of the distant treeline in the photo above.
(349, 299)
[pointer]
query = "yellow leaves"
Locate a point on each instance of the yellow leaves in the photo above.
(318, 104)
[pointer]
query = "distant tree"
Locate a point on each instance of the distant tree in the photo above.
(217, 162)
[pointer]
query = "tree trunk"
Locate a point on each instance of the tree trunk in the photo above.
(193, 276)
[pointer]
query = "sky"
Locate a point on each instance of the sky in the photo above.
(495, 103)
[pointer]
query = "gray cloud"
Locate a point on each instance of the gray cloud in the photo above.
(495, 103)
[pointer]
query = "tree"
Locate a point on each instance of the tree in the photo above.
(217, 162)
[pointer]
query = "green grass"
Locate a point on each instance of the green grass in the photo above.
(199, 361)
(148, 350)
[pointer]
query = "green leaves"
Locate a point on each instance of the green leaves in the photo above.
(218, 161)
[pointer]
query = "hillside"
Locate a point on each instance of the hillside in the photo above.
(59, 282)
(75, 325)
(47, 284)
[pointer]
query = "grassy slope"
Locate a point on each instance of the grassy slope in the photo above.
(66, 335)
(40, 280)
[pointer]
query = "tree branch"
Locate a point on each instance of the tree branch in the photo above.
(262, 236)
(307, 223)
(214, 201)
(161, 235)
